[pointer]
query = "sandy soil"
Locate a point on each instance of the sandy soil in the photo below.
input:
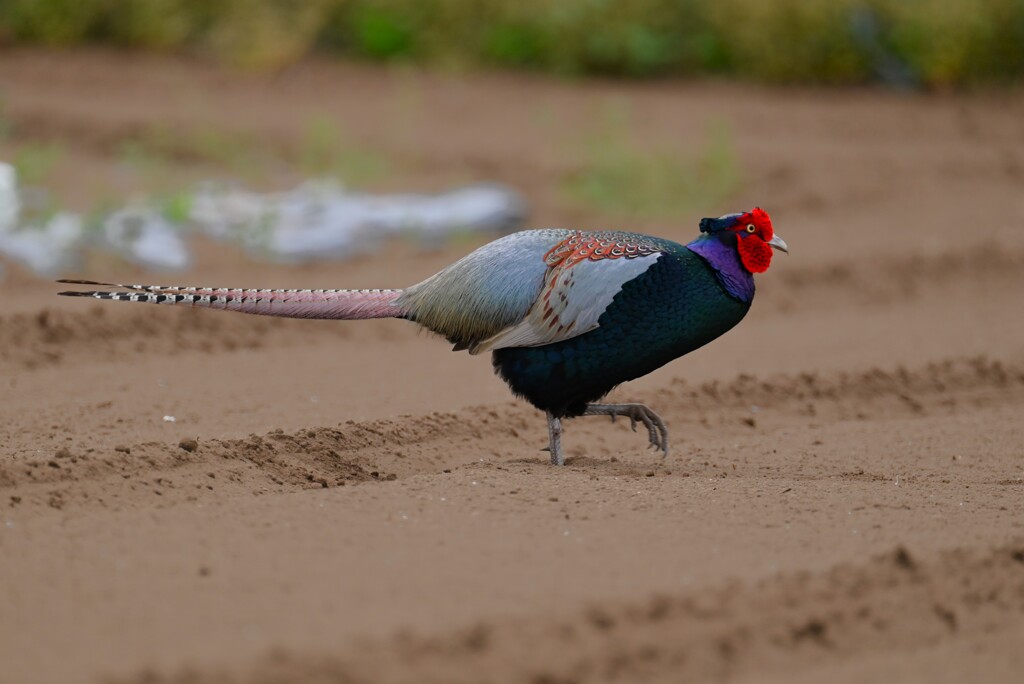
(845, 499)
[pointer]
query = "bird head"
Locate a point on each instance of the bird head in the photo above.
(752, 235)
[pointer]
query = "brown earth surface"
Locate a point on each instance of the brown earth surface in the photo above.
(845, 497)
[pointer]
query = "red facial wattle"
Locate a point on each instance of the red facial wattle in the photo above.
(755, 253)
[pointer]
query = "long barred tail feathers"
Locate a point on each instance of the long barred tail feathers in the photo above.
(334, 304)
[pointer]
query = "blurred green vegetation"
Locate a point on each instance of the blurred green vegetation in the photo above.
(619, 175)
(908, 42)
(323, 151)
(33, 162)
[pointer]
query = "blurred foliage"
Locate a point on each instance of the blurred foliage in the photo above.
(950, 41)
(155, 24)
(176, 207)
(154, 147)
(621, 176)
(51, 22)
(933, 42)
(793, 40)
(322, 151)
(33, 162)
(262, 33)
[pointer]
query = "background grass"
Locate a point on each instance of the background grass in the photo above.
(620, 176)
(905, 42)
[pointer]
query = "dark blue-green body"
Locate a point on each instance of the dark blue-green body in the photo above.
(676, 306)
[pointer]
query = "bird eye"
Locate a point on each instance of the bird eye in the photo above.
(751, 228)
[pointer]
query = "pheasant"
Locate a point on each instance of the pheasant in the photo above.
(567, 315)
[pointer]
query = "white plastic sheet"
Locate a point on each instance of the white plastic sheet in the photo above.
(317, 220)
(321, 220)
(47, 245)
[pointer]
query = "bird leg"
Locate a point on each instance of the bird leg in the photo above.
(657, 432)
(555, 435)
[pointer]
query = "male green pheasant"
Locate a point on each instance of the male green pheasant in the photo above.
(567, 314)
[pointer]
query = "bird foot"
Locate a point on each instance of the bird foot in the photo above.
(657, 432)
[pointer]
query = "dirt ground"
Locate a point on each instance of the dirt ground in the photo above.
(845, 497)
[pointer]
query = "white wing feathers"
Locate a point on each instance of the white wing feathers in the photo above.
(572, 300)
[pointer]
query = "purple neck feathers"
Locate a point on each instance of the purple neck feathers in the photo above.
(725, 261)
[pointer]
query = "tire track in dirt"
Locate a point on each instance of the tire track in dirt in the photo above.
(51, 336)
(381, 450)
(892, 602)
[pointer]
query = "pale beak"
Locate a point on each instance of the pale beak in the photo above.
(779, 244)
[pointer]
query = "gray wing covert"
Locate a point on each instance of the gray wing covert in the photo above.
(485, 292)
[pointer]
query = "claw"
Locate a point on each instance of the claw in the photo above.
(657, 432)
